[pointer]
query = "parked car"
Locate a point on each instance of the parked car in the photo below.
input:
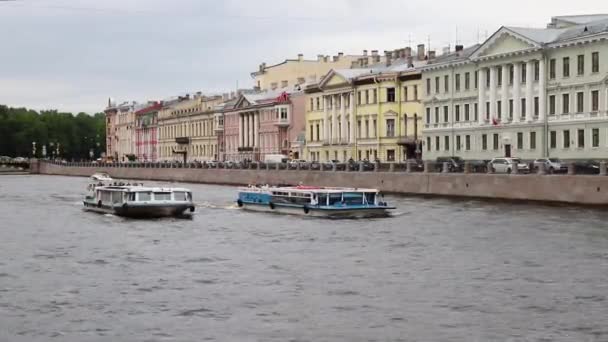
(508, 165)
(19, 160)
(552, 165)
(587, 167)
(479, 166)
(417, 164)
(315, 165)
(212, 163)
(455, 164)
(339, 165)
(293, 164)
(5, 159)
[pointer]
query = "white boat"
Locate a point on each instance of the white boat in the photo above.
(314, 201)
(137, 201)
(101, 177)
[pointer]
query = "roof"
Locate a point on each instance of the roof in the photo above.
(580, 19)
(455, 56)
(554, 35)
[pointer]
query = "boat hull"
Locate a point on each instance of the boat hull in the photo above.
(334, 213)
(143, 210)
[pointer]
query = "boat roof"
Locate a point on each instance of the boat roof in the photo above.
(306, 188)
(131, 188)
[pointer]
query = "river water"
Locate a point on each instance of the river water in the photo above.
(439, 270)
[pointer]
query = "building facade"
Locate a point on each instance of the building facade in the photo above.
(111, 113)
(187, 126)
(146, 132)
(262, 123)
(372, 112)
(124, 132)
(538, 93)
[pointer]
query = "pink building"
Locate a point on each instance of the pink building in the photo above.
(146, 133)
(270, 122)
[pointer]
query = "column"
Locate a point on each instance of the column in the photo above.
(352, 117)
(529, 88)
(256, 130)
(241, 124)
(516, 99)
(504, 98)
(251, 136)
(334, 120)
(246, 132)
(493, 93)
(326, 119)
(542, 91)
(481, 84)
(343, 118)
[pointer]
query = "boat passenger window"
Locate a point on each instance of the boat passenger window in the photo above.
(162, 196)
(322, 199)
(335, 199)
(370, 197)
(131, 197)
(144, 196)
(116, 197)
(180, 196)
(353, 198)
(189, 196)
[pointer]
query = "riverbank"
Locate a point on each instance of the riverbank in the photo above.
(576, 189)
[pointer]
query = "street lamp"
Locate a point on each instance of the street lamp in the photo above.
(33, 149)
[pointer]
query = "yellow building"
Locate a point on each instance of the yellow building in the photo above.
(186, 124)
(367, 112)
(293, 72)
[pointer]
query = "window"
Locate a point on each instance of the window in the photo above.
(446, 145)
(499, 75)
(487, 113)
(428, 115)
(405, 94)
(437, 85)
(476, 79)
(553, 139)
(428, 86)
(595, 62)
(436, 143)
(566, 135)
(484, 142)
(312, 104)
(476, 111)
(520, 141)
(566, 67)
(436, 114)
(536, 106)
(523, 108)
(467, 142)
(457, 82)
(524, 67)
(580, 65)
(445, 114)
(552, 63)
(510, 109)
(595, 137)
(488, 78)
(536, 70)
(581, 138)
(359, 98)
(551, 104)
(532, 140)
(375, 127)
(390, 155)
(467, 81)
(580, 106)
(595, 97)
(415, 93)
(466, 112)
(312, 138)
(375, 95)
(457, 112)
(390, 94)
(565, 103)
(390, 128)
(359, 129)
(405, 124)
(284, 113)
(162, 196)
(366, 97)
(499, 109)
(495, 141)
(446, 83)
(511, 73)
(428, 143)
(458, 142)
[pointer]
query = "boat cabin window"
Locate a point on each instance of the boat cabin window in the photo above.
(323, 199)
(180, 196)
(162, 196)
(370, 197)
(353, 198)
(335, 198)
(144, 196)
(130, 196)
(116, 197)
(106, 197)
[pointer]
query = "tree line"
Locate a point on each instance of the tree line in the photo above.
(28, 133)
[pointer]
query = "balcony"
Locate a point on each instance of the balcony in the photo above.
(405, 140)
(218, 128)
(282, 122)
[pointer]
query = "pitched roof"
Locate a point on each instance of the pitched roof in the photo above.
(580, 19)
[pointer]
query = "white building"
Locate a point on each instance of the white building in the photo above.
(524, 92)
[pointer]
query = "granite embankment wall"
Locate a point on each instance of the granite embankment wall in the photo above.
(580, 189)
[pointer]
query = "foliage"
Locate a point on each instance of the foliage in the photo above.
(75, 135)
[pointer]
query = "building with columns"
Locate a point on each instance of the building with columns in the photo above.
(146, 132)
(262, 123)
(124, 131)
(524, 92)
(371, 111)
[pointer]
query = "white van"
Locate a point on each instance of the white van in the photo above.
(275, 158)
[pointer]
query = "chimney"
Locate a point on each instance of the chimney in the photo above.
(320, 58)
(446, 50)
(364, 52)
(300, 57)
(389, 57)
(459, 48)
(326, 59)
(408, 51)
(335, 58)
(374, 53)
(410, 61)
(421, 53)
(340, 55)
(431, 55)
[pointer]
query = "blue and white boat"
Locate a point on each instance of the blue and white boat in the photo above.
(314, 201)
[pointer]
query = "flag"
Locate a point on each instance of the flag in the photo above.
(494, 122)
(284, 97)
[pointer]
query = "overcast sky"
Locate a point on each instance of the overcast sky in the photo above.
(73, 54)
